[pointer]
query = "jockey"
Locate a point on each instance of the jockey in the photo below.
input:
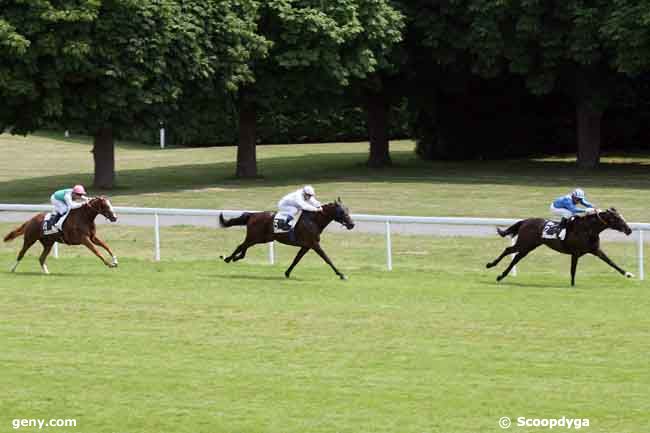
(294, 202)
(65, 200)
(565, 207)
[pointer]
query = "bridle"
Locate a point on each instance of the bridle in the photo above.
(600, 218)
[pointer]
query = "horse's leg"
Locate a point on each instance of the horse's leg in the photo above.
(574, 266)
(323, 256)
(234, 254)
(47, 247)
(27, 243)
(97, 241)
(507, 251)
(297, 259)
(89, 244)
(520, 255)
(601, 255)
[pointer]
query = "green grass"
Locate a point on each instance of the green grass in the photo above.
(192, 344)
(32, 167)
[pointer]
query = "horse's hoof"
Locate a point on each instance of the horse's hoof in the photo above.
(45, 270)
(629, 275)
(499, 278)
(287, 275)
(489, 265)
(343, 277)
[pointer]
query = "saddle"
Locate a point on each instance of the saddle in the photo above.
(49, 222)
(280, 224)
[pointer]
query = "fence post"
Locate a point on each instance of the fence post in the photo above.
(272, 252)
(56, 250)
(156, 224)
(514, 268)
(641, 275)
(389, 248)
(162, 135)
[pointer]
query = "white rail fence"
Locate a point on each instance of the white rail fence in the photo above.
(387, 220)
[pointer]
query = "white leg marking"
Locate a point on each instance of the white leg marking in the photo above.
(13, 268)
(44, 268)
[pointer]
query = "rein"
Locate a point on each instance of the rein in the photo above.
(600, 218)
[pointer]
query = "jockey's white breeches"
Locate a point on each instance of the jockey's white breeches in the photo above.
(565, 213)
(289, 210)
(59, 206)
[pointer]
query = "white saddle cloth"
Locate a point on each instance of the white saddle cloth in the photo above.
(280, 217)
(549, 230)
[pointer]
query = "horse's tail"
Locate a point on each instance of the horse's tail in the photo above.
(15, 233)
(511, 231)
(241, 220)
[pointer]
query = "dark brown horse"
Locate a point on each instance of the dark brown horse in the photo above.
(78, 229)
(582, 238)
(259, 230)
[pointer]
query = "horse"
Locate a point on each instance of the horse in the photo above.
(78, 229)
(582, 237)
(259, 229)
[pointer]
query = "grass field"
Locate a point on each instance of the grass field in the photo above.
(192, 344)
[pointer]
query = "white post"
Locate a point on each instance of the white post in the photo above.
(641, 276)
(66, 134)
(162, 135)
(272, 252)
(56, 250)
(157, 238)
(389, 248)
(514, 268)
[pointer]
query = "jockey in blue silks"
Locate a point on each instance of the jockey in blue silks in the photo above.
(566, 207)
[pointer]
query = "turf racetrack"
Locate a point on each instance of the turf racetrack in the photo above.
(192, 344)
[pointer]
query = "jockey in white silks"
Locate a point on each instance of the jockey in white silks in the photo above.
(299, 200)
(64, 200)
(565, 207)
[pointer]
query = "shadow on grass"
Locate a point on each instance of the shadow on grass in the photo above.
(254, 277)
(341, 167)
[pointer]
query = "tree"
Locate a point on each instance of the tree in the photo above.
(316, 47)
(103, 66)
(575, 48)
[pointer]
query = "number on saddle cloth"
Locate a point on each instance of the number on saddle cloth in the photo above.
(280, 224)
(551, 230)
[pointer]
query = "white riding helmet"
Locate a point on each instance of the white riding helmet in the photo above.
(308, 190)
(578, 193)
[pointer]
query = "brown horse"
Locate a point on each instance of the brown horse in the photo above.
(259, 229)
(78, 229)
(582, 238)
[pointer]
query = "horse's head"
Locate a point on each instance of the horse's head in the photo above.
(614, 220)
(342, 214)
(103, 206)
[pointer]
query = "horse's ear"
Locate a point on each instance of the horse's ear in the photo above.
(338, 200)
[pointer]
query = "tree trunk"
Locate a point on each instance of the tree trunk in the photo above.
(588, 124)
(104, 156)
(246, 155)
(378, 111)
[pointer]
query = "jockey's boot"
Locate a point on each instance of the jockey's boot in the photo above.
(59, 222)
(284, 225)
(52, 221)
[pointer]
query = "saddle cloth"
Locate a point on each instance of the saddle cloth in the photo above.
(46, 221)
(280, 217)
(550, 230)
